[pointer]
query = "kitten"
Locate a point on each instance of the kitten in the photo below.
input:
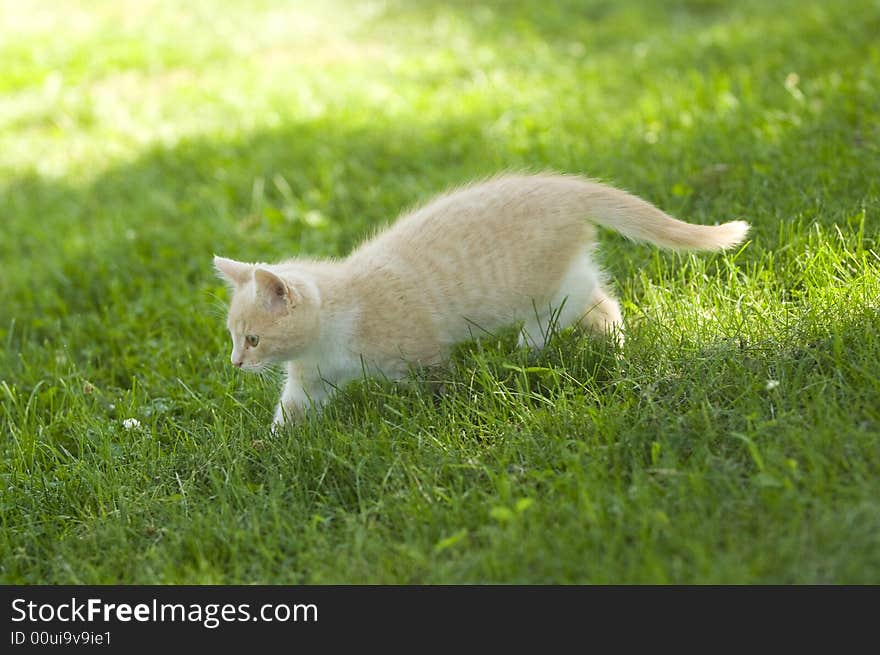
(516, 248)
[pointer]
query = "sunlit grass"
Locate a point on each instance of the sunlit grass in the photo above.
(734, 439)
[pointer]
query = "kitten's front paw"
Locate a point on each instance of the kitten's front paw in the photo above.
(278, 422)
(283, 419)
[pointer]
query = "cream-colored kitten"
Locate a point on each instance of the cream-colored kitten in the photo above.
(517, 248)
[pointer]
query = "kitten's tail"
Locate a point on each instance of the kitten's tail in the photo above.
(640, 220)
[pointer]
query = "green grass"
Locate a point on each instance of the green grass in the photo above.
(735, 439)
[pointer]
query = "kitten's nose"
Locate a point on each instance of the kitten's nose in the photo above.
(237, 363)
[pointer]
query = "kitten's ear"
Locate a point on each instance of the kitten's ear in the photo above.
(277, 295)
(236, 273)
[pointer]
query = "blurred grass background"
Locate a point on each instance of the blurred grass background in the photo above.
(736, 440)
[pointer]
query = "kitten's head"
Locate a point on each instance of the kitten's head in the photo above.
(271, 318)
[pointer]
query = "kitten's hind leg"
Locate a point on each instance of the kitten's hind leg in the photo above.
(602, 316)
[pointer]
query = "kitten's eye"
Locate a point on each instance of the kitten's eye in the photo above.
(252, 340)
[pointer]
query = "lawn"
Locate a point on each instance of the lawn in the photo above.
(735, 438)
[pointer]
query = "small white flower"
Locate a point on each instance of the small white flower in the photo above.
(772, 384)
(131, 424)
